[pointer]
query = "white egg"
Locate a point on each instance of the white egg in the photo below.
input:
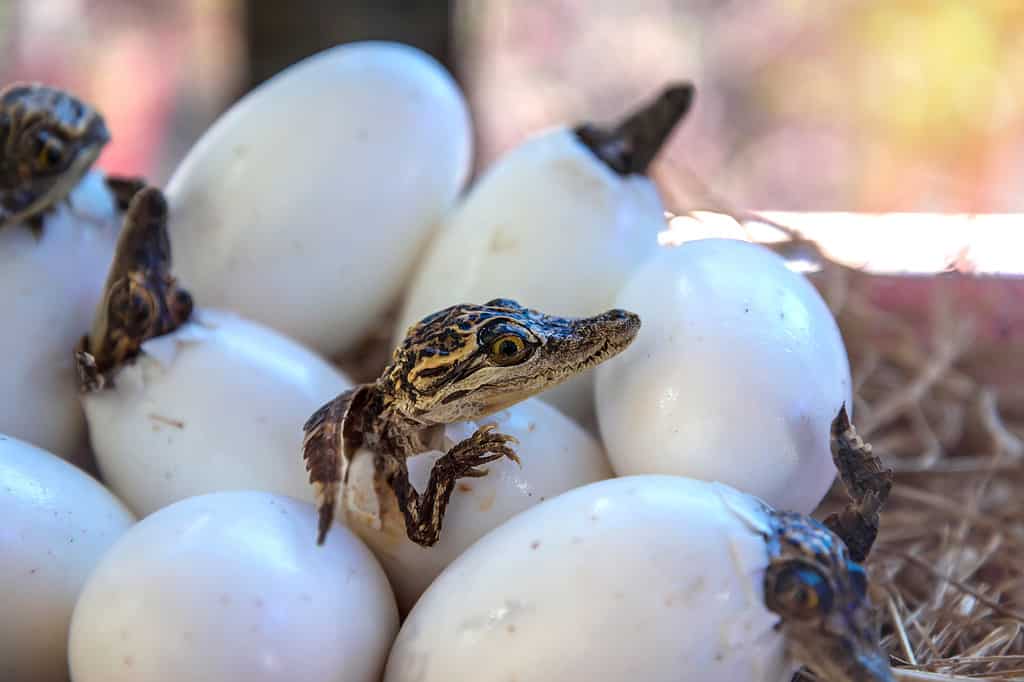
(642, 578)
(217, 404)
(735, 375)
(550, 226)
(321, 186)
(232, 586)
(556, 454)
(56, 524)
(51, 286)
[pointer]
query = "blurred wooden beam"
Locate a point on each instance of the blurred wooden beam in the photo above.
(282, 33)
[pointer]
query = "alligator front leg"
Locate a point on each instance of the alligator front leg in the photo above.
(424, 513)
(867, 484)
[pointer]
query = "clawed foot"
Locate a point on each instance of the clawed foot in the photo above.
(484, 446)
(90, 378)
(867, 484)
(424, 514)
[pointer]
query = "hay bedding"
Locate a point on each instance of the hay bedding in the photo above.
(948, 568)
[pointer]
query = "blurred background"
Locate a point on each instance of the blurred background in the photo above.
(864, 105)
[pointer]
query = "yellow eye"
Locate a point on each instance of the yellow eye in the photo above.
(49, 152)
(508, 349)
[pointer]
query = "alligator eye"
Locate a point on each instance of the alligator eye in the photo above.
(49, 151)
(800, 592)
(508, 349)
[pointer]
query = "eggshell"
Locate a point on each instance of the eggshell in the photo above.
(652, 578)
(550, 226)
(51, 286)
(321, 186)
(218, 404)
(57, 523)
(735, 376)
(232, 586)
(556, 455)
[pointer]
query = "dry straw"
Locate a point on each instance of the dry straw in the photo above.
(948, 569)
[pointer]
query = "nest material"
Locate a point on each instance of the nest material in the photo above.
(948, 568)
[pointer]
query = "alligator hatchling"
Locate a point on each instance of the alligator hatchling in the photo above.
(814, 581)
(49, 140)
(141, 299)
(459, 364)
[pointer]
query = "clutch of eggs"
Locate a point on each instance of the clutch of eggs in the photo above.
(322, 185)
(56, 524)
(218, 404)
(556, 454)
(735, 376)
(51, 285)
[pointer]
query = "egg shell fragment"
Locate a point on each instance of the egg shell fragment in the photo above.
(550, 226)
(232, 586)
(56, 524)
(735, 376)
(218, 404)
(51, 287)
(556, 454)
(321, 186)
(653, 578)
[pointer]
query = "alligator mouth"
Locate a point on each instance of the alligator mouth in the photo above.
(595, 357)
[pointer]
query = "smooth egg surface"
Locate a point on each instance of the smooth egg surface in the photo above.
(56, 524)
(305, 206)
(735, 376)
(652, 578)
(51, 287)
(232, 586)
(218, 404)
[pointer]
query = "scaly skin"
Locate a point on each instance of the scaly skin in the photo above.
(141, 299)
(813, 579)
(461, 363)
(49, 139)
(629, 147)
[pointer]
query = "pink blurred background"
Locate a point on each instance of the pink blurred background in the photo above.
(802, 105)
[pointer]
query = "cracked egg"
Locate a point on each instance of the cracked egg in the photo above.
(556, 454)
(652, 578)
(217, 404)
